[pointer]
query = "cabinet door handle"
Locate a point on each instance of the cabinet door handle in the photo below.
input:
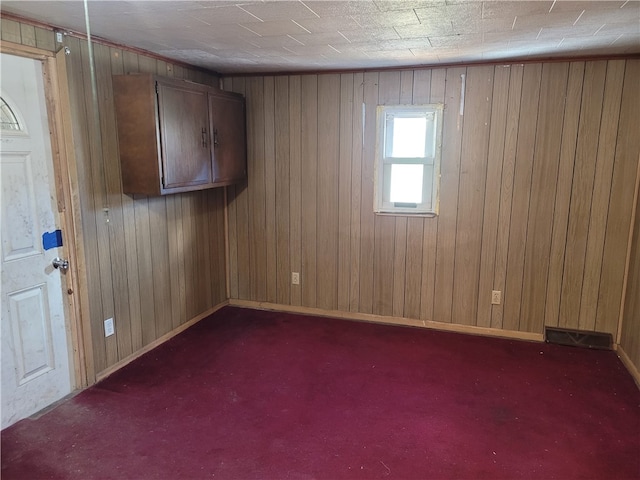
(204, 138)
(215, 137)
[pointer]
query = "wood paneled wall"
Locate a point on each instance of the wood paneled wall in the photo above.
(538, 173)
(537, 186)
(630, 338)
(152, 264)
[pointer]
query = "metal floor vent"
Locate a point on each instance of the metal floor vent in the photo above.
(578, 338)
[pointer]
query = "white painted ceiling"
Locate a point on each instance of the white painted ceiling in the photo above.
(289, 35)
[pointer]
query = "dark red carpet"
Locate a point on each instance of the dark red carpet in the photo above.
(261, 395)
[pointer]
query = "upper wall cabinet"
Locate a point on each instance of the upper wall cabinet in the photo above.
(176, 136)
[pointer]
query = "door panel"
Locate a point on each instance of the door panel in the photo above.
(35, 356)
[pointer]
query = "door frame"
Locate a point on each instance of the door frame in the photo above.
(56, 90)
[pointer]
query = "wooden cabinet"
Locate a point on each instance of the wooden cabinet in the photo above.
(176, 136)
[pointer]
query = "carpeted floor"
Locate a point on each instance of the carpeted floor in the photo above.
(260, 395)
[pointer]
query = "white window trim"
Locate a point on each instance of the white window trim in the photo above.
(379, 206)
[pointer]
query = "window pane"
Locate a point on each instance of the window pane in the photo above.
(406, 183)
(8, 120)
(409, 137)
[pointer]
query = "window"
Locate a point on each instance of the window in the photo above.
(408, 159)
(8, 120)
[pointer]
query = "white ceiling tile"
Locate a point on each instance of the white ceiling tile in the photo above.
(502, 9)
(387, 5)
(459, 12)
(331, 8)
(261, 36)
(387, 19)
(226, 15)
(334, 38)
(329, 24)
(456, 40)
(276, 27)
(273, 11)
(371, 35)
(419, 31)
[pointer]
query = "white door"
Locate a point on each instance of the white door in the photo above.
(35, 357)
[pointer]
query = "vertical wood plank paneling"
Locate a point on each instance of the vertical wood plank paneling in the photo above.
(106, 59)
(45, 39)
(143, 239)
(204, 247)
(563, 191)
(512, 295)
(82, 146)
(161, 273)
(282, 190)
(100, 196)
(450, 175)
(233, 223)
(241, 201)
(620, 202)
(270, 189)
(630, 334)
(309, 185)
(28, 35)
(543, 189)
(129, 243)
(420, 95)
(190, 250)
(357, 143)
(10, 31)
(327, 213)
(130, 64)
(506, 189)
(295, 176)
(581, 192)
(385, 225)
(506, 185)
(143, 245)
(500, 98)
(400, 248)
(367, 218)
(473, 171)
(601, 193)
(216, 227)
(344, 190)
(256, 188)
(435, 94)
(176, 246)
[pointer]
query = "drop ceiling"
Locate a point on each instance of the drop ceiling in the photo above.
(287, 35)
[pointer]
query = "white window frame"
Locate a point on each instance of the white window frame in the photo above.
(429, 206)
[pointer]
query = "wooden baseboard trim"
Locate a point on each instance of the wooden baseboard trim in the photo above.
(408, 322)
(626, 361)
(113, 368)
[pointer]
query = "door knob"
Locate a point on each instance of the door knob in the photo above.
(60, 263)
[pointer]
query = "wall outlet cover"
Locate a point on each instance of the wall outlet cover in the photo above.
(109, 328)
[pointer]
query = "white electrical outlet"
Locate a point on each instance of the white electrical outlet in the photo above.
(109, 329)
(496, 297)
(295, 278)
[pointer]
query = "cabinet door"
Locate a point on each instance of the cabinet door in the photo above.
(228, 138)
(184, 136)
